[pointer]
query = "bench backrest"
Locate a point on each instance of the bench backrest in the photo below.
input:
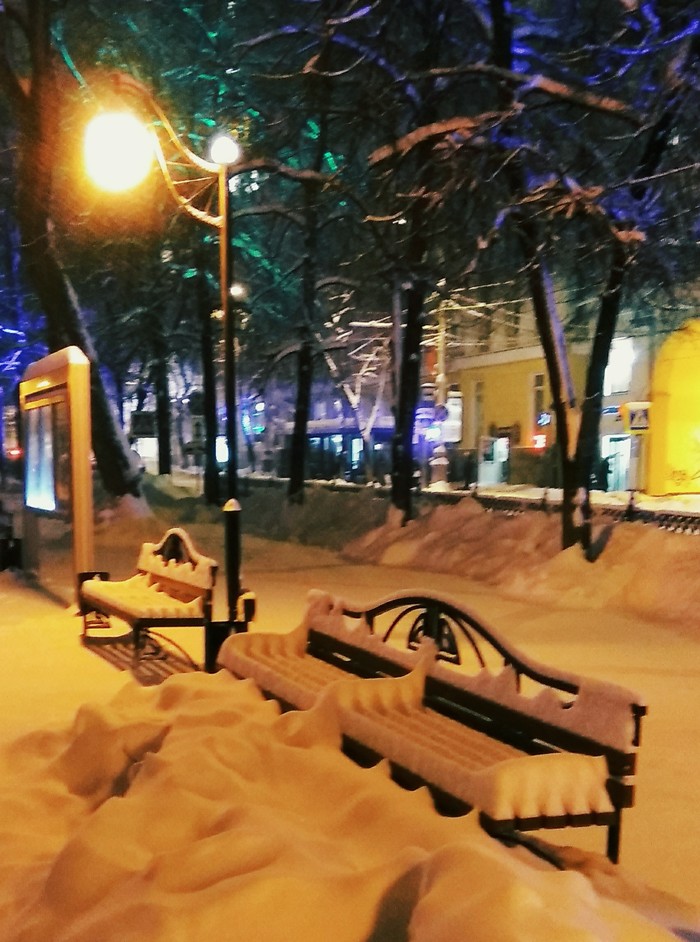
(177, 565)
(515, 698)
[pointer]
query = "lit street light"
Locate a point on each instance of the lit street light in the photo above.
(119, 153)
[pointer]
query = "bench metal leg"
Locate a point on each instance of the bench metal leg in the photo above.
(215, 633)
(96, 620)
(511, 837)
(613, 845)
(139, 644)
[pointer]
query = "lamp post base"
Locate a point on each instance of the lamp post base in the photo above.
(241, 604)
(215, 634)
(232, 549)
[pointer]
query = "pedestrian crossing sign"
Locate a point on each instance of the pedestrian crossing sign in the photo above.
(635, 417)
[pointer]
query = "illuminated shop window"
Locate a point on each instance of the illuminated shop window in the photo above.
(618, 373)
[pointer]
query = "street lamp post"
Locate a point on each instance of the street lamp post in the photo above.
(108, 139)
(232, 509)
(226, 279)
(225, 152)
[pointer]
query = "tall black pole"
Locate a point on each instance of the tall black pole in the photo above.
(232, 509)
(211, 471)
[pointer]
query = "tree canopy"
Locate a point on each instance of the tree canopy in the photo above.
(392, 150)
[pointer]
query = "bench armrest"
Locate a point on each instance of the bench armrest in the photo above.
(92, 574)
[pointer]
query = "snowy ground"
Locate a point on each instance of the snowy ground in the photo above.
(188, 847)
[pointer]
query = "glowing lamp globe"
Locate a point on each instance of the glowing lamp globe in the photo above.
(118, 151)
(224, 150)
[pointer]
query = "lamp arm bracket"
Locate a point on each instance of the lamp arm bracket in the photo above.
(201, 215)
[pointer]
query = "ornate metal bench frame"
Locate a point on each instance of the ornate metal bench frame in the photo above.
(174, 569)
(511, 698)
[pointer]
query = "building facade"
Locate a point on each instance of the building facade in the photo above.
(509, 430)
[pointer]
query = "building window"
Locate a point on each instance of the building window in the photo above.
(618, 373)
(538, 394)
(484, 331)
(512, 325)
(478, 413)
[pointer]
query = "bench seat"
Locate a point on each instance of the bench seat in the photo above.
(139, 598)
(280, 666)
(389, 717)
(502, 782)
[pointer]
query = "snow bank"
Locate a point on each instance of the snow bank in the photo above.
(193, 810)
(521, 555)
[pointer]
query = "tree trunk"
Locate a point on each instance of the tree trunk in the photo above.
(409, 372)
(295, 492)
(118, 380)
(36, 111)
(211, 469)
(163, 420)
(551, 334)
(402, 475)
(587, 448)
(115, 462)
(549, 326)
(318, 91)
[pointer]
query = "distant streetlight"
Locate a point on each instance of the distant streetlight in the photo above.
(119, 151)
(225, 150)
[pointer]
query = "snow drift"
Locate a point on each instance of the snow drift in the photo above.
(194, 810)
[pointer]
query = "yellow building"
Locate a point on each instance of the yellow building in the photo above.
(508, 419)
(509, 427)
(674, 437)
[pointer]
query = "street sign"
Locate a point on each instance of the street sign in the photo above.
(639, 420)
(635, 417)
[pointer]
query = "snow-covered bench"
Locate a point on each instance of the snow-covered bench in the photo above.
(172, 587)
(528, 746)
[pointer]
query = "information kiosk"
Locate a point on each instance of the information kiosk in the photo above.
(54, 397)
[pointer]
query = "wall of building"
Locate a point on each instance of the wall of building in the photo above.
(498, 392)
(517, 406)
(674, 439)
(506, 395)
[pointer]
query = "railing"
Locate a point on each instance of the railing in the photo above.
(686, 521)
(549, 501)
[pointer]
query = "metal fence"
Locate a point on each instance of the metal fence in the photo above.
(664, 519)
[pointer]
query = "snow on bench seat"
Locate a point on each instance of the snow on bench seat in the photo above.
(139, 597)
(388, 716)
(280, 666)
(503, 782)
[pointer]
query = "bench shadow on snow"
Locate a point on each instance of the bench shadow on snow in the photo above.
(160, 659)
